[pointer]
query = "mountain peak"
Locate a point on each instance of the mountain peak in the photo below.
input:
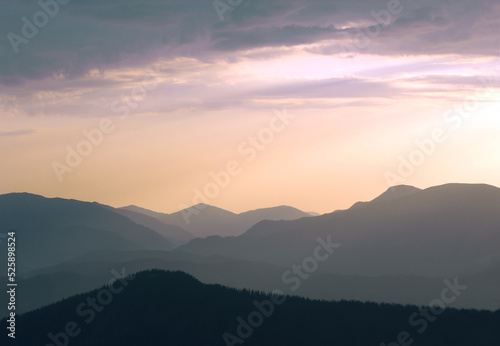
(144, 211)
(207, 207)
(279, 208)
(395, 192)
(392, 193)
(200, 205)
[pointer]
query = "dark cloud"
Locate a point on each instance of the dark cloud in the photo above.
(271, 37)
(86, 35)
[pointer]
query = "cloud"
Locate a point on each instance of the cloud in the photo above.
(349, 87)
(16, 133)
(89, 35)
(292, 35)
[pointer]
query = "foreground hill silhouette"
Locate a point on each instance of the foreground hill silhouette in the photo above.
(49, 285)
(172, 308)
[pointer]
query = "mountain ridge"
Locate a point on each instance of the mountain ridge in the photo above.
(76, 225)
(203, 220)
(385, 237)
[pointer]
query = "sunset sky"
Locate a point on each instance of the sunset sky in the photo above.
(313, 104)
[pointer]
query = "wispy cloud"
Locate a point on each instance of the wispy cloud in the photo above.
(16, 133)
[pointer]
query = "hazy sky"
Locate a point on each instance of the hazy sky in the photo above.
(315, 104)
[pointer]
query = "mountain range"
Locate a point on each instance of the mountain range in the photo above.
(202, 220)
(53, 230)
(80, 227)
(397, 248)
(451, 229)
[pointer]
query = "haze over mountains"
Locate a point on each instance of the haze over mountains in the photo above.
(445, 230)
(222, 117)
(51, 284)
(80, 227)
(396, 248)
(52, 230)
(175, 234)
(203, 220)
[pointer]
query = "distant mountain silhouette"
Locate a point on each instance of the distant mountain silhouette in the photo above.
(446, 230)
(396, 192)
(53, 230)
(172, 233)
(392, 193)
(204, 220)
(396, 248)
(172, 308)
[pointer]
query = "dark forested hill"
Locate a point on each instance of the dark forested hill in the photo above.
(172, 308)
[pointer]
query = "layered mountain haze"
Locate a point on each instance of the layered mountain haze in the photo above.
(172, 168)
(80, 227)
(445, 230)
(52, 230)
(175, 234)
(203, 220)
(398, 248)
(51, 284)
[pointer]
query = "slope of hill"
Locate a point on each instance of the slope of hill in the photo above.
(203, 220)
(52, 230)
(175, 234)
(172, 308)
(48, 285)
(392, 193)
(447, 230)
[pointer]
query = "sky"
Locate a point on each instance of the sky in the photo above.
(244, 104)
